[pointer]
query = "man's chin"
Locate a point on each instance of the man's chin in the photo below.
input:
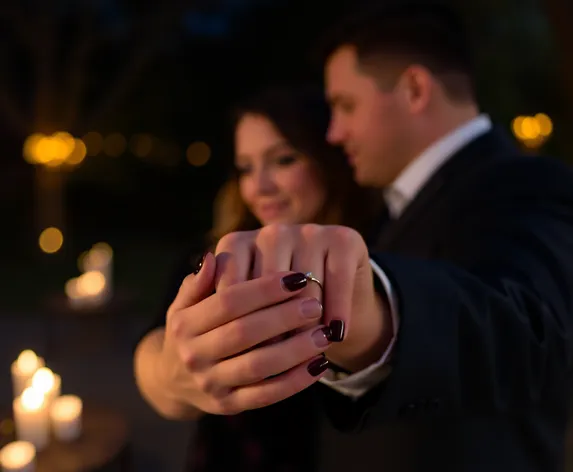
(362, 177)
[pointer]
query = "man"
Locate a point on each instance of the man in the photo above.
(449, 343)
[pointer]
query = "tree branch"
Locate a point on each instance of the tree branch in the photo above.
(44, 62)
(78, 69)
(153, 28)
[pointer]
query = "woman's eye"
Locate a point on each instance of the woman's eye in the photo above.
(286, 160)
(242, 170)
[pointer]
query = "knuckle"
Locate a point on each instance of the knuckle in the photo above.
(225, 406)
(227, 300)
(311, 231)
(345, 236)
(237, 333)
(190, 358)
(205, 384)
(262, 398)
(273, 233)
(253, 371)
(176, 325)
(230, 241)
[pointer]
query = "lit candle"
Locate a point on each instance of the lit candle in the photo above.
(31, 418)
(50, 384)
(66, 416)
(91, 286)
(18, 456)
(99, 257)
(23, 369)
(75, 298)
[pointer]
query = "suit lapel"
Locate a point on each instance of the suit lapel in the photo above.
(477, 153)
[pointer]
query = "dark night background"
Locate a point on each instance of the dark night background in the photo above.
(172, 70)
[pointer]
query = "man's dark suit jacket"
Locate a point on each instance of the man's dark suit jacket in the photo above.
(482, 266)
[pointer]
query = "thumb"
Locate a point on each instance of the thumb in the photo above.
(197, 287)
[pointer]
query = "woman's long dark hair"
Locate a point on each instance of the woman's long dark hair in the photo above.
(301, 116)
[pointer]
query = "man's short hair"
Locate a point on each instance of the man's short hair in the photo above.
(432, 36)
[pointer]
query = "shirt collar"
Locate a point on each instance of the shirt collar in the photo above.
(420, 170)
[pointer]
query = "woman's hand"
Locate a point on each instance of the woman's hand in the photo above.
(337, 256)
(208, 359)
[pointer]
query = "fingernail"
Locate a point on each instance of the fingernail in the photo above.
(321, 337)
(336, 331)
(311, 308)
(317, 366)
(293, 282)
(199, 263)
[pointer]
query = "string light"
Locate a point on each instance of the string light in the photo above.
(532, 131)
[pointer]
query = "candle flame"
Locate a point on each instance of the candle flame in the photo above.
(91, 283)
(32, 399)
(66, 407)
(100, 254)
(17, 454)
(27, 361)
(43, 380)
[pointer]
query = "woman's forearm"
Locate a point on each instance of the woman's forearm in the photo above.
(151, 384)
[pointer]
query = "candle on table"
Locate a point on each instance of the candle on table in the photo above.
(48, 383)
(18, 456)
(31, 418)
(23, 369)
(100, 259)
(75, 298)
(66, 416)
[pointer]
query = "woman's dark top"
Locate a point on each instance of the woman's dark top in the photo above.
(278, 438)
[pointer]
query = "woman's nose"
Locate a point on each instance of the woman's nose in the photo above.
(265, 183)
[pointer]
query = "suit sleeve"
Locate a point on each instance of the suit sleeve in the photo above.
(488, 328)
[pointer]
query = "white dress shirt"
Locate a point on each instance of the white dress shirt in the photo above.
(398, 196)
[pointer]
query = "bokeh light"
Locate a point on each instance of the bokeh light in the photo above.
(532, 131)
(198, 153)
(51, 240)
(115, 145)
(94, 143)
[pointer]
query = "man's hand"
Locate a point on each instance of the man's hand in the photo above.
(337, 256)
(208, 359)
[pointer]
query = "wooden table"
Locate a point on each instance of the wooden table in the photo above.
(103, 447)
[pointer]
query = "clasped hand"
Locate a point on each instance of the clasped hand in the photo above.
(249, 330)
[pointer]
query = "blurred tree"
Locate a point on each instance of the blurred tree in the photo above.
(67, 66)
(53, 48)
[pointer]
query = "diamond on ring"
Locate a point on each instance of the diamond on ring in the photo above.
(311, 278)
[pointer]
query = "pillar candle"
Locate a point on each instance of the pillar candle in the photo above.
(23, 369)
(66, 417)
(50, 384)
(31, 418)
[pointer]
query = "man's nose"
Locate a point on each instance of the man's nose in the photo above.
(334, 134)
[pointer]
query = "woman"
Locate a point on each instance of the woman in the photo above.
(284, 172)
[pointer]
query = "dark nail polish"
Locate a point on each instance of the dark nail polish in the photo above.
(294, 282)
(199, 264)
(317, 366)
(336, 331)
